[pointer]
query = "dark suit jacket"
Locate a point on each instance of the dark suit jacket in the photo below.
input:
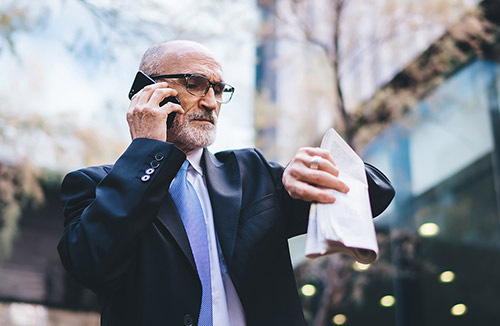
(124, 238)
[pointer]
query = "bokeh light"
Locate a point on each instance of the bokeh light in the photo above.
(357, 266)
(428, 230)
(308, 290)
(387, 301)
(339, 319)
(447, 277)
(459, 309)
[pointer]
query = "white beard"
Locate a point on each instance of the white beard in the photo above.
(189, 136)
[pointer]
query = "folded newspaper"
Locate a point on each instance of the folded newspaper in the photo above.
(347, 224)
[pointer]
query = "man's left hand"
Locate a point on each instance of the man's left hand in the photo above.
(311, 175)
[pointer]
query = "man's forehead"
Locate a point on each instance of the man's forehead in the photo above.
(193, 62)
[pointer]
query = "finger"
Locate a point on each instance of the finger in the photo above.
(310, 193)
(160, 94)
(313, 151)
(324, 180)
(139, 99)
(322, 164)
(297, 172)
(172, 107)
(325, 162)
(144, 95)
(148, 98)
(133, 102)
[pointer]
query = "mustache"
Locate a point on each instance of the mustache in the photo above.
(202, 115)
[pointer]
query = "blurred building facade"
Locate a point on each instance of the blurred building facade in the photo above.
(434, 129)
(442, 150)
(296, 83)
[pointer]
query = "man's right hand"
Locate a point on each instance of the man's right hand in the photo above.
(145, 117)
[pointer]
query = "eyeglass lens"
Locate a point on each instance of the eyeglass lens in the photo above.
(200, 85)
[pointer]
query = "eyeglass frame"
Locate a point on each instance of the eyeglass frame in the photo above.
(210, 84)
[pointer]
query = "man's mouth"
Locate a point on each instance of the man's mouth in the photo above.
(205, 119)
(202, 117)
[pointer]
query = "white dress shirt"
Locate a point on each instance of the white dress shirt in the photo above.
(226, 305)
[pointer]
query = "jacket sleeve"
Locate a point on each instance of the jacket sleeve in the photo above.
(105, 213)
(380, 190)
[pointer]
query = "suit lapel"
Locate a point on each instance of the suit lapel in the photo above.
(224, 188)
(169, 216)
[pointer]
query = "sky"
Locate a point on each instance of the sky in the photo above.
(78, 67)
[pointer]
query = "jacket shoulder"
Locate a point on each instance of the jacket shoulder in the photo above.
(242, 155)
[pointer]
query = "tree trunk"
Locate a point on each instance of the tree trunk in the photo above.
(338, 6)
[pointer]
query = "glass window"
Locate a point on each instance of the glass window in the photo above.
(440, 240)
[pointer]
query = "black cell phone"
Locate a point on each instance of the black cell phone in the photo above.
(142, 80)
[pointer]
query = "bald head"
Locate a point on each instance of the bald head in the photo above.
(172, 57)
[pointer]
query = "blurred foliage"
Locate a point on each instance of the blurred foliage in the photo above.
(19, 183)
(337, 30)
(476, 35)
(12, 21)
(152, 21)
(58, 144)
(26, 138)
(19, 186)
(17, 17)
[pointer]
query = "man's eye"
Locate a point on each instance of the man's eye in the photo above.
(218, 88)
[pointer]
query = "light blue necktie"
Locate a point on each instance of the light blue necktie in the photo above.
(189, 207)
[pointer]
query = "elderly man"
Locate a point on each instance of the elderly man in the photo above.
(174, 235)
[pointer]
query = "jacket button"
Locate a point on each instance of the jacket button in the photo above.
(154, 164)
(188, 320)
(159, 156)
(150, 171)
(145, 178)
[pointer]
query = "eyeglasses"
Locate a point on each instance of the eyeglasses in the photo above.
(199, 85)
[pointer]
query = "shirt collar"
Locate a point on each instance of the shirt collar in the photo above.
(194, 157)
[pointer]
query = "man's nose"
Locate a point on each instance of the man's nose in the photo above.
(208, 101)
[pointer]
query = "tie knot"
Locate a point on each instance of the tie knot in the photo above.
(182, 173)
(185, 165)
